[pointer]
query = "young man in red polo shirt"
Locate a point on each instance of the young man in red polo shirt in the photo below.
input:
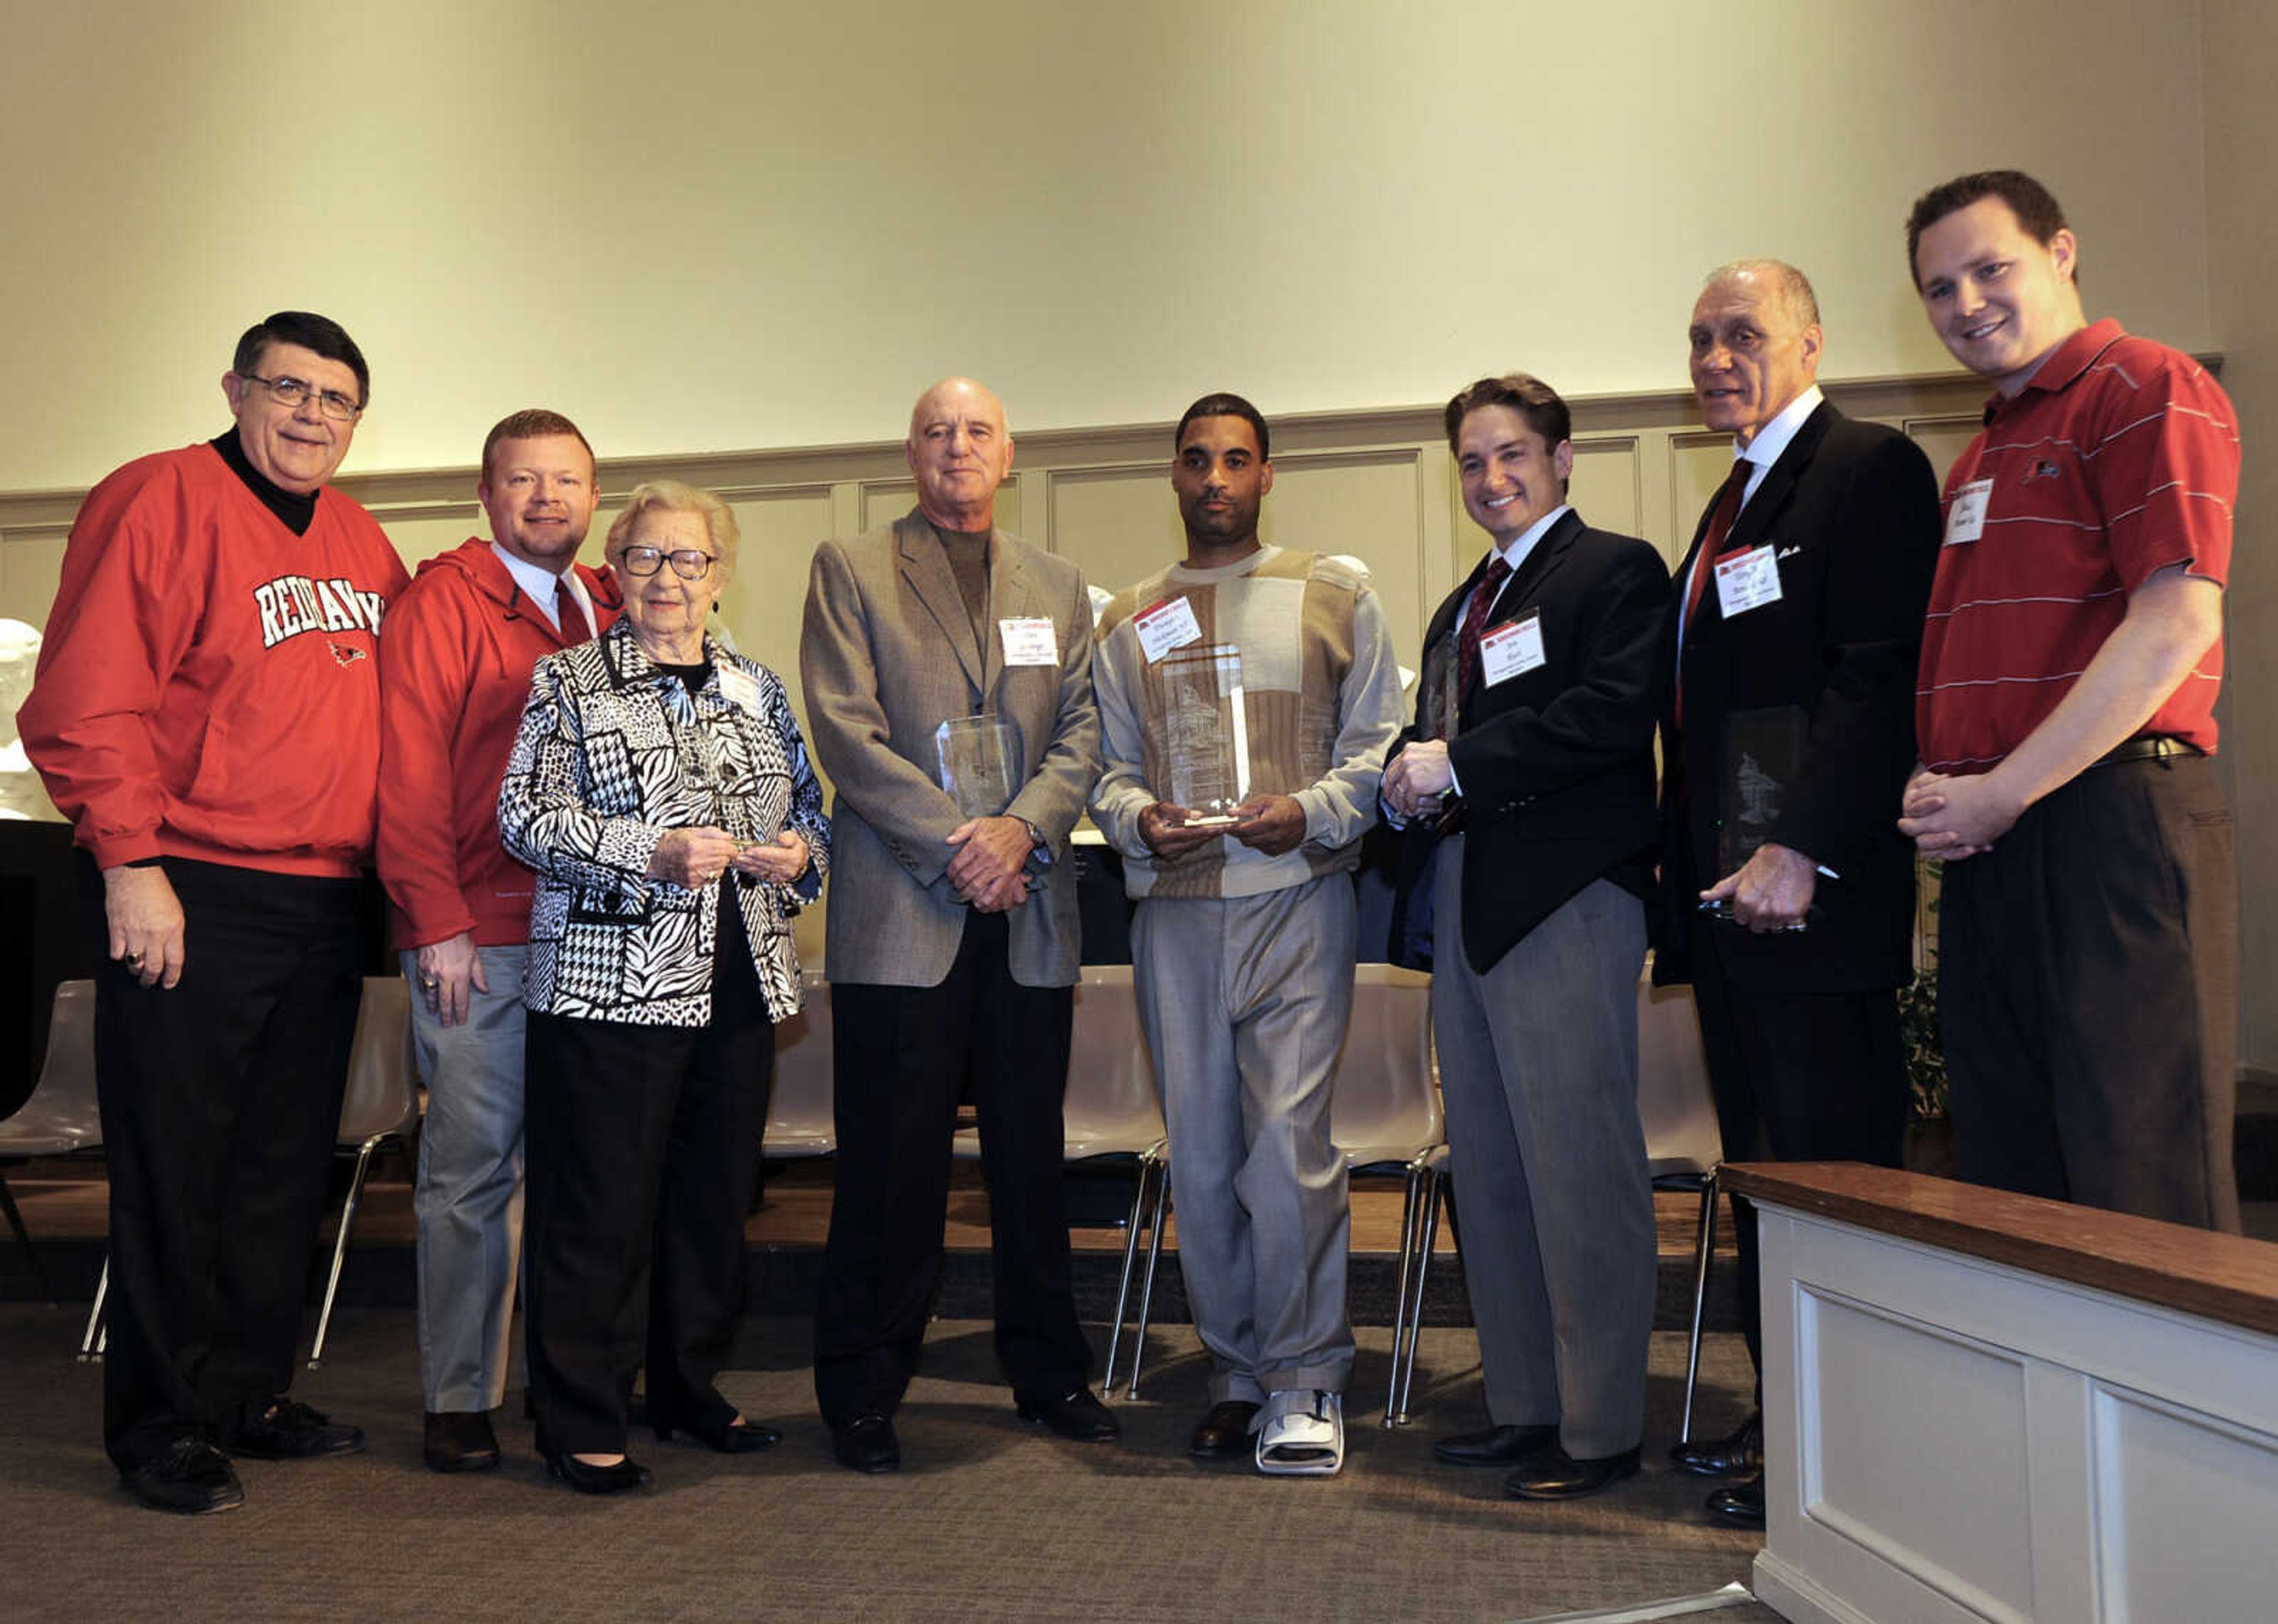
(2066, 708)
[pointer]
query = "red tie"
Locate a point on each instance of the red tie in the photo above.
(1720, 526)
(572, 617)
(1475, 620)
(1704, 563)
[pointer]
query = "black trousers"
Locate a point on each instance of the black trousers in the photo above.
(1797, 1076)
(903, 1058)
(221, 1102)
(643, 1148)
(2088, 996)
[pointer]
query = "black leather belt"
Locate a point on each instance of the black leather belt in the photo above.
(2148, 747)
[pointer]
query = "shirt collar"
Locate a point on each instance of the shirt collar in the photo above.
(1773, 437)
(538, 583)
(1516, 552)
(2065, 363)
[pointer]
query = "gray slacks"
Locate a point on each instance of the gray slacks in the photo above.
(1538, 1068)
(1244, 1003)
(469, 1196)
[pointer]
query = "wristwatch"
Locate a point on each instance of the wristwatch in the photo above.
(1040, 850)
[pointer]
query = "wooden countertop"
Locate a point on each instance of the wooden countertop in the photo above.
(2223, 1278)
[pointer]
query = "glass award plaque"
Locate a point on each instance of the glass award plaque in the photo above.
(1205, 743)
(976, 753)
(1439, 711)
(1763, 753)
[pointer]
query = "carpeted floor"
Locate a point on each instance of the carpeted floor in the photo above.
(990, 1518)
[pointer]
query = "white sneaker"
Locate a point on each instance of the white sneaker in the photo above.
(1301, 1433)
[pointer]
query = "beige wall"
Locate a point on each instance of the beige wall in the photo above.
(2242, 143)
(702, 227)
(707, 231)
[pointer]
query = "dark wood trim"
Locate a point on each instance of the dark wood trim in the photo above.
(2223, 1278)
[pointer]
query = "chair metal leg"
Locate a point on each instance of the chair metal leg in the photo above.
(1407, 1210)
(1702, 1246)
(31, 1252)
(1435, 1195)
(1146, 1293)
(341, 1247)
(1131, 1227)
(97, 1337)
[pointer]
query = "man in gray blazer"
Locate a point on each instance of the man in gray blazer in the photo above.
(951, 936)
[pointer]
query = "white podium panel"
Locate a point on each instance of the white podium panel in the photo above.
(1949, 1438)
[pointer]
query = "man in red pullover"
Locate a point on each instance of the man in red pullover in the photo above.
(453, 674)
(206, 711)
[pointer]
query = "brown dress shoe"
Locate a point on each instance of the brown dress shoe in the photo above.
(459, 1441)
(1226, 1433)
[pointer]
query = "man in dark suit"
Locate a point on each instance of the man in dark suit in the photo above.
(1792, 717)
(951, 941)
(1531, 763)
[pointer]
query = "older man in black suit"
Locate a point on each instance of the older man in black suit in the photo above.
(1531, 757)
(1792, 726)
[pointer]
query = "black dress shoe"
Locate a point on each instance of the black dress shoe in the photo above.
(1076, 1415)
(1496, 1445)
(287, 1430)
(1556, 1475)
(459, 1441)
(1227, 1433)
(1742, 1504)
(587, 1478)
(1738, 1453)
(192, 1479)
(724, 1433)
(867, 1443)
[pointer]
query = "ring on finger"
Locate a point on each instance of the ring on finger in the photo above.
(134, 961)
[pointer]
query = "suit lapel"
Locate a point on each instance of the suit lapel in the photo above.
(1761, 509)
(1008, 599)
(1525, 584)
(925, 565)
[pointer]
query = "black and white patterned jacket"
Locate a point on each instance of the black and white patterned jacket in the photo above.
(614, 752)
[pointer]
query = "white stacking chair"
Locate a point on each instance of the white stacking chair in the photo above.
(1110, 1109)
(1682, 1150)
(61, 1116)
(801, 1123)
(380, 1106)
(1385, 1116)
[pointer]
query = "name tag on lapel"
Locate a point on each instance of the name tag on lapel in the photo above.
(1029, 642)
(1510, 650)
(740, 688)
(1748, 580)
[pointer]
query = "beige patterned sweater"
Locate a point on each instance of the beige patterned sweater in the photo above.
(1321, 691)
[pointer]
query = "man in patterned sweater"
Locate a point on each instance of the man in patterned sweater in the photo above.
(1243, 944)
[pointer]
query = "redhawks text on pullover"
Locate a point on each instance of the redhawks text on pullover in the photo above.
(208, 686)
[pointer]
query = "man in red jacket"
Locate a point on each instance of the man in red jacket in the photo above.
(206, 711)
(453, 674)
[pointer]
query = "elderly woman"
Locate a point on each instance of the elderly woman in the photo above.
(660, 788)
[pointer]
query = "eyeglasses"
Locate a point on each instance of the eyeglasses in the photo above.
(291, 392)
(688, 563)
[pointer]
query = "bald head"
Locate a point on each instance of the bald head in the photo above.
(1755, 344)
(960, 452)
(1774, 277)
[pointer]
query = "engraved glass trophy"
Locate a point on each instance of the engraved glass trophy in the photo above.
(1205, 734)
(1763, 753)
(976, 763)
